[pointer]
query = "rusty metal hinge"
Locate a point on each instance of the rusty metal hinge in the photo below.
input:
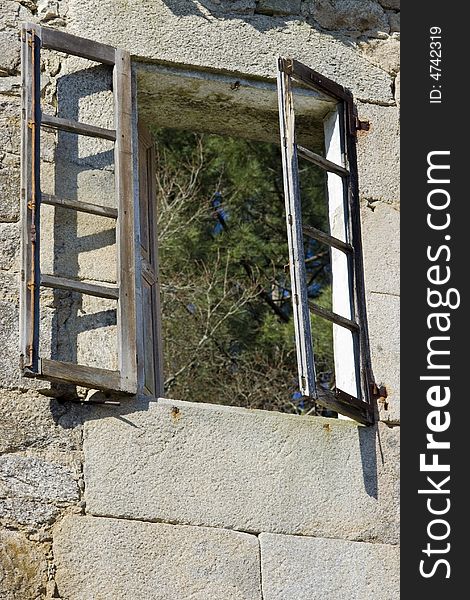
(30, 33)
(378, 391)
(288, 65)
(361, 125)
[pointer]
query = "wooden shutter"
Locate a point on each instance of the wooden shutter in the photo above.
(152, 367)
(352, 370)
(124, 379)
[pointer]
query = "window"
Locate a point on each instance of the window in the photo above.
(136, 291)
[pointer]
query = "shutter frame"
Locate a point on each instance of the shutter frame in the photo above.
(303, 335)
(359, 409)
(125, 378)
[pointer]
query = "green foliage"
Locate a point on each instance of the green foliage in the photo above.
(228, 331)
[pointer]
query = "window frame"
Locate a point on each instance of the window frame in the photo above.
(130, 377)
(357, 406)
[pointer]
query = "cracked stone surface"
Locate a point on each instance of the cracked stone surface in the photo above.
(244, 469)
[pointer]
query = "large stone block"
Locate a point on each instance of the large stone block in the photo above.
(244, 469)
(29, 420)
(237, 6)
(48, 10)
(10, 86)
(9, 344)
(173, 98)
(9, 51)
(381, 247)
(394, 20)
(84, 93)
(82, 329)
(22, 568)
(9, 246)
(32, 489)
(10, 374)
(10, 116)
(251, 44)
(350, 15)
(378, 154)
(12, 11)
(279, 7)
(383, 53)
(393, 4)
(78, 245)
(9, 187)
(318, 569)
(73, 327)
(115, 559)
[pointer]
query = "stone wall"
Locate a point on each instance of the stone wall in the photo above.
(173, 499)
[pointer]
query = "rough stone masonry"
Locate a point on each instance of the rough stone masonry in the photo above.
(221, 503)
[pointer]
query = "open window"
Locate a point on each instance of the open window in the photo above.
(134, 215)
(350, 395)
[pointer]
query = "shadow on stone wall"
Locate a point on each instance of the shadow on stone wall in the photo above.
(83, 245)
(369, 437)
(340, 19)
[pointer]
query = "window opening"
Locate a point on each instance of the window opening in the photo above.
(310, 285)
(228, 331)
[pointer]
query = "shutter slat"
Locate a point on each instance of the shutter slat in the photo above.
(71, 44)
(333, 317)
(86, 207)
(345, 405)
(100, 379)
(91, 289)
(77, 127)
(324, 238)
(321, 162)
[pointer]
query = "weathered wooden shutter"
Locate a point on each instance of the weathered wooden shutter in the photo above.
(352, 371)
(152, 367)
(124, 379)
